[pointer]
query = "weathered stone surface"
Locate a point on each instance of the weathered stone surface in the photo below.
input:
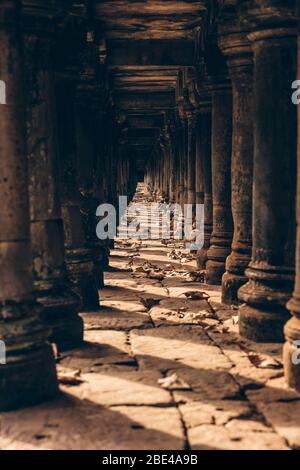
(292, 328)
(275, 391)
(131, 291)
(129, 306)
(112, 318)
(209, 437)
(170, 311)
(218, 413)
(101, 347)
(271, 271)
(284, 418)
(152, 432)
(207, 384)
(236, 47)
(70, 424)
(144, 381)
(110, 387)
(28, 373)
(182, 347)
(220, 244)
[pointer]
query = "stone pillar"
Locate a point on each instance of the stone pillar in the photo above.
(185, 144)
(220, 245)
(88, 113)
(99, 189)
(181, 142)
(173, 163)
(177, 158)
(236, 47)
(191, 159)
(29, 373)
(183, 147)
(60, 303)
(78, 255)
(271, 270)
(204, 137)
(166, 164)
(199, 182)
(158, 171)
(292, 328)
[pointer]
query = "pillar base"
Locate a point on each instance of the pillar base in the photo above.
(291, 369)
(231, 283)
(28, 379)
(201, 258)
(234, 278)
(214, 272)
(101, 263)
(60, 312)
(291, 350)
(217, 254)
(262, 326)
(81, 273)
(264, 314)
(99, 275)
(216, 264)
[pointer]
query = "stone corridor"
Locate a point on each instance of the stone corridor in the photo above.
(162, 367)
(109, 341)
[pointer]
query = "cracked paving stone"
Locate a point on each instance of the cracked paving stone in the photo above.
(179, 291)
(130, 282)
(118, 292)
(207, 384)
(154, 430)
(108, 387)
(180, 311)
(70, 424)
(210, 437)
(281, 408)
(177, 346)
(245, 372)
(285, 419)
(101, 347)
(114, 319)
(124, 306)
(214, 412)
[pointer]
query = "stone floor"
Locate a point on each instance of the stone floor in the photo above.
(162, 367)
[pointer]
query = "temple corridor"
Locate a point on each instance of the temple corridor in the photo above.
(162, 367)
(188, 335)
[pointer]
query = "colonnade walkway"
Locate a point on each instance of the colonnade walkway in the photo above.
(162, 367)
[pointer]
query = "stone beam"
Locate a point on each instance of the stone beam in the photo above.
(145, 121)
(151, 52)
(148, 19)
(140, 101)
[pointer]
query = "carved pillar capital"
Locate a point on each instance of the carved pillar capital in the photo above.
(235, 44)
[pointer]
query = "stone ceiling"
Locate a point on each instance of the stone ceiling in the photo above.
(146, 44)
